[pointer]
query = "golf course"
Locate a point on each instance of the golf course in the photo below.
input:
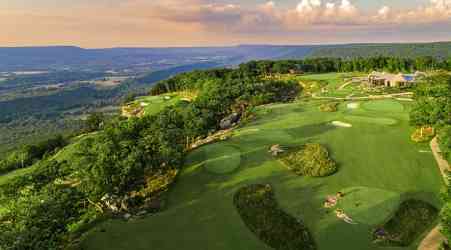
(379, 168)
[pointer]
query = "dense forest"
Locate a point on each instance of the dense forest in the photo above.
(405, 50)
(52, 206)
(44, 113)
(316, 65)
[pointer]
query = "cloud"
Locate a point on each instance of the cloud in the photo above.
(306, 14)
(203, 22)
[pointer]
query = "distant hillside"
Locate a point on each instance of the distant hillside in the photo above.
(74, 58)
(413, 50)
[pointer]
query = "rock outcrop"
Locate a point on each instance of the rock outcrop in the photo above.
(229, 121)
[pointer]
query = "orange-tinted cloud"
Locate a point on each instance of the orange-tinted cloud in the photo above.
(200, 22)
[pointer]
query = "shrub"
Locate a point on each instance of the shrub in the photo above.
(444, 139)
(329, 107)
(259, 210)
(310, 160)
(412, 219)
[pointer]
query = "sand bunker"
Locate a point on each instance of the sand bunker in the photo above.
(143, 104)
(353, 105)
(341, 124)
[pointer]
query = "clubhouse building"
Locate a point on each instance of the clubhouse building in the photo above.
(393, 80)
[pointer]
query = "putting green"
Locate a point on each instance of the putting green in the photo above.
(359, 200)
(373, 120)
(387, 105)
(222, 158)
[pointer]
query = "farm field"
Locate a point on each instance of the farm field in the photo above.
(379, 167)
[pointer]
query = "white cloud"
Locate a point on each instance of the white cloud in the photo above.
(307, 14)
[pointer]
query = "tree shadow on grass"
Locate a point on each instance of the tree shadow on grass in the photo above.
(310, 130)
(428, 197)
(275, 113)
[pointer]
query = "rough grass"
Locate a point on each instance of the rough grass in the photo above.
(311, 159)
(260, 212)
(411, 220)
(222, 158)
(201, 215)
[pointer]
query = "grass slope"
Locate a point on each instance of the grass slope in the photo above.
(379, 168)
(222, 158)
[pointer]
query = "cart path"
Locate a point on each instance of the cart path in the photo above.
(433, 240)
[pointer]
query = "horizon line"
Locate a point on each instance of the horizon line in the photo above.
(222, 46)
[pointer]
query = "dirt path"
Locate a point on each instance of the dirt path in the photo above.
(433, 240)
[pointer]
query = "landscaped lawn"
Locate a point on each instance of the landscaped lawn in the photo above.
(379, 167)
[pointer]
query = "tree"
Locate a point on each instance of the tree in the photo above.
(94, 122)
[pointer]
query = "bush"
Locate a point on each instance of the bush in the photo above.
(411, 220)
(259, 210)
(444, 139)
(39, 221)
(311, 160)
(329, 107)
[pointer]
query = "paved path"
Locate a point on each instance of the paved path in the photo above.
(433, 240)
(442, 163)
(344, 85)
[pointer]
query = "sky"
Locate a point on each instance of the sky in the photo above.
(167, 23)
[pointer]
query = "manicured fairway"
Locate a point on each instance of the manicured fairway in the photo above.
(221, 158)
(378, 168)
(154, 104)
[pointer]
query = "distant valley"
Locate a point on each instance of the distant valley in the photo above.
(47, 89)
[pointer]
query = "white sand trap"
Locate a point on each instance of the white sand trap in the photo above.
(143, 104)
(341, 124)
(353, 105)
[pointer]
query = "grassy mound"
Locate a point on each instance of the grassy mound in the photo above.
(411, 220)
(259, 210)
(424, 134)
(310, 160)
(222, 158)
(372, 120)
(384, 105)
(329, 107)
